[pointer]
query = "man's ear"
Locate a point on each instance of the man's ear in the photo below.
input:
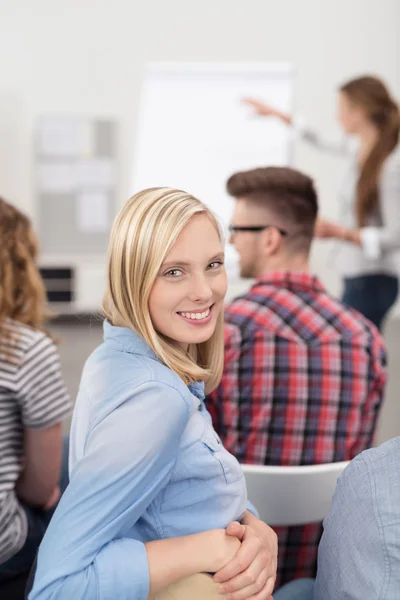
(271, 241)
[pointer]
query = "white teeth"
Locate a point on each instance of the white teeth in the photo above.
(196, 316)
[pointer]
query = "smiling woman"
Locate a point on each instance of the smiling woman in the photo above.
(187, 296)
(166, 256)
(154, 499)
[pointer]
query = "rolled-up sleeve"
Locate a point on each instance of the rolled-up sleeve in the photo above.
(129, 456)
(375, 241)
(251, 508)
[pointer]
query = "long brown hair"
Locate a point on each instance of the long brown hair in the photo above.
(22, 291)
(371, 94)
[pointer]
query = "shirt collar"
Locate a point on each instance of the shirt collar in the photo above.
(294, 280)
(129, 341)
(197, 389)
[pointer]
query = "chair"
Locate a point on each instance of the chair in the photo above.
(292, 495)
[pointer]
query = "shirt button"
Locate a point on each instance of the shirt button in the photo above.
(200, 406)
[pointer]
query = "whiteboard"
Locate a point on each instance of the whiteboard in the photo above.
(194, 132)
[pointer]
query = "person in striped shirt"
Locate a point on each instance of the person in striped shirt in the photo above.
(304, 373)
(33, 400)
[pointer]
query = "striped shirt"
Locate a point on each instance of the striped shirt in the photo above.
(32, 395)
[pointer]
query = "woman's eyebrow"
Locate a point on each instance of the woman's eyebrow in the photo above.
(175, 263)
(218, 255)
(182, 263)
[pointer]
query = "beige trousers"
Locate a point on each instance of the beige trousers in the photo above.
(196, 587)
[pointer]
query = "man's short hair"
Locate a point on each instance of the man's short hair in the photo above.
(285, 192)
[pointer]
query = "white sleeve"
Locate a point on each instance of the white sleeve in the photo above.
(376, 240)
(301, 130)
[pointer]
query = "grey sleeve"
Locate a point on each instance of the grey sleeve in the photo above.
(351, 555)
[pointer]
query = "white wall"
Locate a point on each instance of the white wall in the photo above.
(86, 56)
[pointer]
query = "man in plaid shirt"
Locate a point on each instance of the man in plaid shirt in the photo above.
(304, 374)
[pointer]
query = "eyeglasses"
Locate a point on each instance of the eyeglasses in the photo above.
(255, 228)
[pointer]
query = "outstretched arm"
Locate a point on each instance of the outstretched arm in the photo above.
(262, 109)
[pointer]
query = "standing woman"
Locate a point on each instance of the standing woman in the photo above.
(369, 228)
(33, 400)
(152, 492)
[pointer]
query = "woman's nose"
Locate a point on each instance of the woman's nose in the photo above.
(201, 290)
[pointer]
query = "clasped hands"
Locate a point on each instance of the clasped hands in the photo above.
(251, 573)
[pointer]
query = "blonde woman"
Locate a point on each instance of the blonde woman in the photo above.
(154, 498)
(33, 400)
(369, 200)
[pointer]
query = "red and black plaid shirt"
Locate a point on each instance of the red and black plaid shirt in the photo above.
(303, 382)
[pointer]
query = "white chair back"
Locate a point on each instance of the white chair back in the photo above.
(292, 495)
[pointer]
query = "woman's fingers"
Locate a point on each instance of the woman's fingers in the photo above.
(246, 555)
(260, 589)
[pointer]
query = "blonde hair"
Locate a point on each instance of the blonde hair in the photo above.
(22, 291)
(142, 235)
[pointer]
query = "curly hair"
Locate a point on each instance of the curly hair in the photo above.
(22, 291)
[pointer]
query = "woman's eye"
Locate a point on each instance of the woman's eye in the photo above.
(173, 273)
(215, 264)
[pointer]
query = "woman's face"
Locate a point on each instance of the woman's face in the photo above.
(351, 116)
(190, 287)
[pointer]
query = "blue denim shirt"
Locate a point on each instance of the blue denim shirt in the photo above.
(359, 554)
(145, 464)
